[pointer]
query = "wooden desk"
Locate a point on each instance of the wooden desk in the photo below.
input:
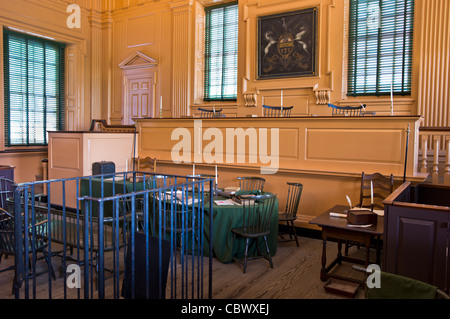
(336, 228)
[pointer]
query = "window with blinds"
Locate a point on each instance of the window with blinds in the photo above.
(34, 88)
(380, 47)
(221, 52)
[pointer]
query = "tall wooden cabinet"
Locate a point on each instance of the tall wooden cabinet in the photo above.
(417, 233)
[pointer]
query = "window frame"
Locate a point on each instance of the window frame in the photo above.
(381, 87)
(206, 97)
(7, 146)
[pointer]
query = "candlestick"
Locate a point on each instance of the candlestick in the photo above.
(371, 193)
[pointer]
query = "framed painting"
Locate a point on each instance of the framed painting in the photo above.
(287, 44)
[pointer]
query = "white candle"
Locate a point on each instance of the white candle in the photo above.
(160, 107)
(126, 165)
(214, 109)
(371, 192)
(392, 100)
(281, 99)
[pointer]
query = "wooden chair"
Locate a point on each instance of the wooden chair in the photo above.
(146, 164)
(182, 224)
(382, 187)
(290, 213)
(257, 213)
(277, 111)
(207, 113)
(251, 183)
(36, 244)
(346, 110)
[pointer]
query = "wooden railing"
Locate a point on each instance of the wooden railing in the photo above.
(435, 153)
(101, 125)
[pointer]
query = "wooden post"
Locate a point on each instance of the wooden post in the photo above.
(447, 162)
(435, 173)
(424, 166)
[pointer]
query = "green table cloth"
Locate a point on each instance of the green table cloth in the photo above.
(92, 187)
(227, 217)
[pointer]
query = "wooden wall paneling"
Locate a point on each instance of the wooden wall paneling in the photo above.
(96, 64)
(182, 58)
(433, 61)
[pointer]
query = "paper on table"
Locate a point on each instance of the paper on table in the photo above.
(224, 202)
(338, 215)
(362, 226)
(379, 212)
(180, 199)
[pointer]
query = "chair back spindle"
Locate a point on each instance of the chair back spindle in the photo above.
(250, 183)
(346, 110)
(277, 111)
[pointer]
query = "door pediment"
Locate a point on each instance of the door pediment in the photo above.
(138, 60)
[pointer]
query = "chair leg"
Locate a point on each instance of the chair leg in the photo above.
(289, 229)
(246, 254)
(49, 263)
(268, 252)
(295, 233)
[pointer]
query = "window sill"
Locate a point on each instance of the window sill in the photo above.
(40, 149)
(225, 104)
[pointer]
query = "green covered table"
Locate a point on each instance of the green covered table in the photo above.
(227, 217)
(92, 187)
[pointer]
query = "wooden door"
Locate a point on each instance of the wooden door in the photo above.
(140, 97)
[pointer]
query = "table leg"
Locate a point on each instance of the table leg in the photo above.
(323, 271)
(378, 239)
(339, 255)
(367, 252)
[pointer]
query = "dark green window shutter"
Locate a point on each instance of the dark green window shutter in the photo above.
(221, 52)
(34, 88)
(380, 47)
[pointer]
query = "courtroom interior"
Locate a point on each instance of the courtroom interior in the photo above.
(297, 109)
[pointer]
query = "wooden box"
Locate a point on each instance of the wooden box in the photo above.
(361, 217)
(341, 287)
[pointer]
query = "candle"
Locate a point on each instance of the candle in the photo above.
(216, 175)
(126, 165)
(281, 99)
(371, 192)
(214, 109)
(160, 108)
(392, 100)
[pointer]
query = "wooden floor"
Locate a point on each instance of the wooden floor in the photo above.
(295, 275)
